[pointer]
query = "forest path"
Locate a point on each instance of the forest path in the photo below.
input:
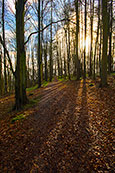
(70, 130)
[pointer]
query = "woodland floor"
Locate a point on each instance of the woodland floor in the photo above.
(69, 130)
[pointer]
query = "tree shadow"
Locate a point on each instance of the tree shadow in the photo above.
(61, 138)
(83, 135)
(52, 154)
(68, 144)
(74, 140)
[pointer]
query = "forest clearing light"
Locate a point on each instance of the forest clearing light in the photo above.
(86, 44)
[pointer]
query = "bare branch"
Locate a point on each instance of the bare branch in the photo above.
(43, 29)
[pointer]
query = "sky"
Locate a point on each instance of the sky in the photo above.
(11, 4)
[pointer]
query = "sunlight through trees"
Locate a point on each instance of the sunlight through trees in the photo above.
(68, 38)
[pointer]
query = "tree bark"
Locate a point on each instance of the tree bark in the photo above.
(98, 25)
(100, 50)
(28, 71)
(33, 74)
(58, 62)
(105, 43)
(84, 74)
(77, 34)
(61, 62)
(3, 30)
(91, 48)
(68, 43)
(51, 60)
(110, 38)
(39, 48)
(65, 72)
(42, 39)
(0, 73)
(20, 78)
(45, 59)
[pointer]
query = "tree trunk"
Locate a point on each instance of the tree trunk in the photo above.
(9, 81)
(39, 47)
(42, 39)
(68, 51)
(3, 30)
(91, 49)
(28, 71)
(110, 38)
(45, 59)
(61, 67)
(55, 67)
(0, 73)
(20, 79)
(77, 32)
(58, 62)
(105, 43)
(96, 38)
(65, 72)
(84, 75)
(100, 51)
(33, 74)
(51, 60)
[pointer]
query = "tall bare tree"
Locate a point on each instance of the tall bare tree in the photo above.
(39, 48)
(110, 37)
(51, 60)
(20, 79)
(84, 74)
(45, 61)
(105, 43)
(91, 46)
(77, 34)
(33, 66)
(68, 39)
(3, 30)
(96, 43)
(0, 72)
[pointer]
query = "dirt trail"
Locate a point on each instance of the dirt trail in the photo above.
(70, 131)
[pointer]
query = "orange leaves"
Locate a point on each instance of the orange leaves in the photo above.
(70, 129)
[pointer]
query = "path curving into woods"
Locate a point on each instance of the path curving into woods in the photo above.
(70, 130)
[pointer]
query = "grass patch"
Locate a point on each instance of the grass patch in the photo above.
(32, 88)
(91, 84)
(18, 117)
(32, 102)
(62, 78)
(73, 78)
(113, 74)
(87, 75)
(45, 83)
(52, 79)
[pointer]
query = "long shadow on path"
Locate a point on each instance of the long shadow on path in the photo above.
(83, 135)
(66, 147)
(60, 137)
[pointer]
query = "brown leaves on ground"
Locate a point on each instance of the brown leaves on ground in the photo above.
(69, 130)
